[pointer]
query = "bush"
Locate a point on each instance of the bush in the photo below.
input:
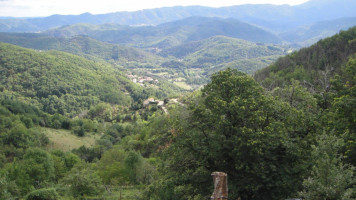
(43, 194)
(82, 181)
(79, 131)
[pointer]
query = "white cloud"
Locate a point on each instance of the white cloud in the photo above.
(22, 8)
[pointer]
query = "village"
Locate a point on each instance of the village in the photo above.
(142, 79)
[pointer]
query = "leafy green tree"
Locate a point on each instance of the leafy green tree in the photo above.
(70, 160)
(132, 162)
(111, 167)
(19, 137)
(58, 164)
(344, 107)
(38, 164)
(5, 187)
(330, 178)
(36, 170)
(82, 181)
(236, 128)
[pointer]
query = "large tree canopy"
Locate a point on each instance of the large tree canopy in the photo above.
(235, 128)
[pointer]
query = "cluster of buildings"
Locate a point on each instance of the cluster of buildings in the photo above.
(142, 79)
(152, 101)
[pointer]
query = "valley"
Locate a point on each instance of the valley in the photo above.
(148, 104)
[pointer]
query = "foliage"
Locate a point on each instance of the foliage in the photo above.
(329, 178)
(312, 66)
(60, 82)
(82, 181)
(210, 53)
(343, 106)
(234, 127)
(43, 194)
(121, 167)
(35, 171)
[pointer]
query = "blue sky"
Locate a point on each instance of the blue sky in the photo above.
(32, 8)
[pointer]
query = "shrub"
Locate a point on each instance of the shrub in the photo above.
(43, 194)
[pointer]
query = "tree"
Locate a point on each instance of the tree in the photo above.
(35, 171)
(236, 128)
(19, 136)
(344, 107)
(330, 178)
(131, 164)
(82, 180)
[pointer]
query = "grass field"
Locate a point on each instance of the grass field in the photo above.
(183, 85)
(125, 193)
(66, 141)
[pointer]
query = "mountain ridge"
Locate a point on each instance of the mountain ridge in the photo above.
(279, 17)
(170, 33)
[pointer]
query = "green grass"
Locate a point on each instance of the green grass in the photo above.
(66, 141)
(183, 85)
(125, 193)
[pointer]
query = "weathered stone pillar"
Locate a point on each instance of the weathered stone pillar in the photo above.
(220, 186)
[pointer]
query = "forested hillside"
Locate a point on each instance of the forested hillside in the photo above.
(217, 52)
(313, 66)
(62, 83)
(189, 64)
(80, 45)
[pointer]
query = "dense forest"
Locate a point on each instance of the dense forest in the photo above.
(287, 132)
(183, 66)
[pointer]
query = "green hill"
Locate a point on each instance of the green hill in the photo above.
(313, 66)
(220, 50)
(60, 82)
(179, 62)
(79, 45)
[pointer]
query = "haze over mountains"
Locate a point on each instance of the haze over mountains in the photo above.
(322, 17)
(168, 34)
(275, 17)
(187, 43)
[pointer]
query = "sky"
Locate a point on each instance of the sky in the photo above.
(37, 8)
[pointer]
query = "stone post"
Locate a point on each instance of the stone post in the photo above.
(220, 186)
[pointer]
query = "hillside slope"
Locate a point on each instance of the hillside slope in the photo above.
(216, 52)
(313, 66)
(79, 45)
(59, 82)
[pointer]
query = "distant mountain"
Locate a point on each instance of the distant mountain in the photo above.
(279, 18)
(216, 52)
(168, 34)
(79, 45)
(308, 35)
